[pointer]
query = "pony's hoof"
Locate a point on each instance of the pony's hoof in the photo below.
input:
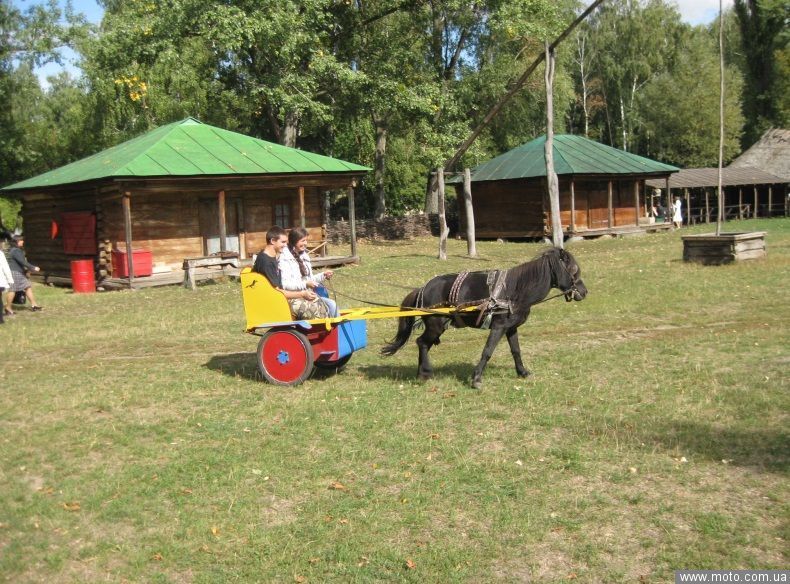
(477, 384)
(424, 376)
(524, 373)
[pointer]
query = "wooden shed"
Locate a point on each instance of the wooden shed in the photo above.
(601, 190)
(184, 190)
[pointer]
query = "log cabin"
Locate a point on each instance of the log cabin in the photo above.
(183, 190)
(601, 190)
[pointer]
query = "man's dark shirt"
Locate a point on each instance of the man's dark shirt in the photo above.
(268, 267)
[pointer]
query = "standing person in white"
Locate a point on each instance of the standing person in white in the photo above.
(677, 216)
(6, 280)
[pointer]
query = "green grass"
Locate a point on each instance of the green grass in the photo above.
(137, 445)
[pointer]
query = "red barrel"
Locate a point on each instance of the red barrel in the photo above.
(82, 279)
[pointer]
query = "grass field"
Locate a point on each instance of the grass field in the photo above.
(136, 444)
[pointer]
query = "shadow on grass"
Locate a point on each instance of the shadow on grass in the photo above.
(764, 449)
(461, 373)
(235, 365)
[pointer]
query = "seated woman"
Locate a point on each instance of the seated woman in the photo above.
(297, 271)
(304, 303)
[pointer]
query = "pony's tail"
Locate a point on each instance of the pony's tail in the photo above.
(405, 325)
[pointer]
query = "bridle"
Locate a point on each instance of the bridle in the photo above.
(573, 291)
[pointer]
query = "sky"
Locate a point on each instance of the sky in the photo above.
(691, 11)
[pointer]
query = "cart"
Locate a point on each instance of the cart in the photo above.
(290, 350)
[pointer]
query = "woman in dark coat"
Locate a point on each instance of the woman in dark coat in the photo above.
(19, 267)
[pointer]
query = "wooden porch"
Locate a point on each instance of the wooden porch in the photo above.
(177, 277)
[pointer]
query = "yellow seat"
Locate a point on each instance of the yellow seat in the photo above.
(263, 303)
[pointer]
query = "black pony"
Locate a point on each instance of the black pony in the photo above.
(505, 299)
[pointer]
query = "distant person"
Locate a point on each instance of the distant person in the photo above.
(297, 269)
(304, 303)
(19, 267)
(6, 280)
(677, 215)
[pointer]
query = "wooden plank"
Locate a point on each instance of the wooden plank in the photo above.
(352, 218)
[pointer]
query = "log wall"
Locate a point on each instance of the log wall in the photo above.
(519, 208)
(172, 224)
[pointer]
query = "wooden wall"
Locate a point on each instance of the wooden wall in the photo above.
(520, 208)
(39, 210)
(170, 223)
(504, 208)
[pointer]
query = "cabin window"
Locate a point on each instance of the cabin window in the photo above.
(79, 233)
(282, 213)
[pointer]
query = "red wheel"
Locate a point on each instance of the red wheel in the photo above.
(285, 357)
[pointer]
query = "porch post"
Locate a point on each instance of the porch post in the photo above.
(740, 203)
(636, 201)
(301, 208)
(127, 228)
(754, 211)
(688, 206)
(770, 200)
(707, 206)
(572, 222)
(352, 220)
(667, 213)
(223, 233)
(610, 216)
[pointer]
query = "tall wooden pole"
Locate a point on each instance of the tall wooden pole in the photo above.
(352, 219)
(551, 176)
(471, 246)
(127, 228)
(740, 203)
(770, 200)
(223, 230)
(720, 216)
(756, 200)
(443, 230)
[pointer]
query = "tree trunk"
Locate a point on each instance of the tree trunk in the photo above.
(291, 129)
(551, 176)
(379, 167)
(443, 230)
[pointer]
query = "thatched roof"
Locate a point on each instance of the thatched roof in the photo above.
(771, 153)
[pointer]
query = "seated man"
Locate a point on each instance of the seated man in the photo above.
(304, 303)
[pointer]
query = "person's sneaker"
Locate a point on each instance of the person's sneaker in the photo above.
(36, 308)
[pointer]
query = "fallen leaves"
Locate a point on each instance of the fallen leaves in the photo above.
(410, 565)
(71, 506)
(337, 486)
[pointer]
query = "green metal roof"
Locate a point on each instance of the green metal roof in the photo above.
(572, 155)
(189, 148)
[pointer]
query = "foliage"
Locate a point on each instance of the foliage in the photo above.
(764, 37)
(651, 435)
(396, 85)
(681, 111)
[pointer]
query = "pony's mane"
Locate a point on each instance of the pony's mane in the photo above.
(534, 272)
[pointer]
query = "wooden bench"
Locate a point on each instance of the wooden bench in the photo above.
(216, 261)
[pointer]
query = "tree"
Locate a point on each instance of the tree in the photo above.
(680, 108)
(764, 37)
(633, 42)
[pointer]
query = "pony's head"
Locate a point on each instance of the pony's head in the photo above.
(568, 277)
